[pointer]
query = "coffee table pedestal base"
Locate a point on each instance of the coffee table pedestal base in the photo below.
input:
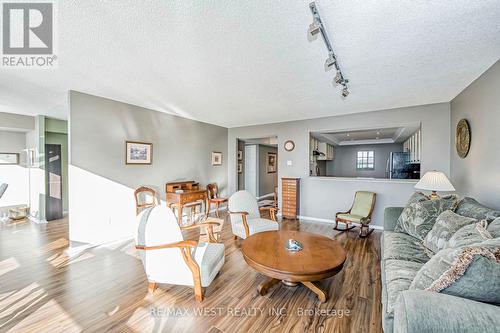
(264, 287)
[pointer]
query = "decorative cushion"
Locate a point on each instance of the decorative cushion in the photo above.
(469, 271)
(350, 217)
(471, 208)
(398, 276)
(446, 225)
(468, 235)
(397, 245)
(255, 225)
(418, 218)
(417, 197)
(494, 228)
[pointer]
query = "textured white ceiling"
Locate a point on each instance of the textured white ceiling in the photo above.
(236, 63)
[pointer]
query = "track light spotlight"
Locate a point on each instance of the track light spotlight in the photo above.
(338, 77)
(330, 62)
(314, 28)
(345, 92)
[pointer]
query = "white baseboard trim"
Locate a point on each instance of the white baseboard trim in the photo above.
(266, 196)
(331, 221)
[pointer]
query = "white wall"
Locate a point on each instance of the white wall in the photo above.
(323, 197)
(478, 174)
(101, 203)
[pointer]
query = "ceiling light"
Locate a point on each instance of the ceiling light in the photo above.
(314, 28)
(317, 27)
(345, 92)
(348, 134)
(338, 77)
(330, 62)
(378, 133)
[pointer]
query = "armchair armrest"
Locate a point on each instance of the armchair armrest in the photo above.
(426, 312)
(185, 247)
(209, 225)
(391, 215)
(244, 220)
(272, 212)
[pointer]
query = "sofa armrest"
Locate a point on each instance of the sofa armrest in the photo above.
(391, 215)
(426, 312)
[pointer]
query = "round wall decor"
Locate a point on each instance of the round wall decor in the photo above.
(462, 138)
(289, 145)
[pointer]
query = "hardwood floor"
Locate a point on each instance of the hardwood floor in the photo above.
(45, 289)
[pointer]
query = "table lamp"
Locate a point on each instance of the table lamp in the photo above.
(435, 181)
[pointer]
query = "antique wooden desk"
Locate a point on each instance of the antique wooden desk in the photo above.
(191, 193)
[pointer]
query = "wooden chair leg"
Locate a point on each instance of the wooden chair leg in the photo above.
(152, 287)
(235, 237)
(365, 231)
(217, 209)
(198, 292)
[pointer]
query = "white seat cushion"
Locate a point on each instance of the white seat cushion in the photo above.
(255, 225)
(210, 258)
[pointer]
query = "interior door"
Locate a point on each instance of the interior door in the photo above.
(53, 182)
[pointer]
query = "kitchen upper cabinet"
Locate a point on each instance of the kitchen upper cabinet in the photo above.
(413, 145)
(328, 151)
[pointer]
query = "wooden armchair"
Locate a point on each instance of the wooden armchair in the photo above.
(360, 213)
(245, 216)
(213, 198)
(168, 258)
(141, 198)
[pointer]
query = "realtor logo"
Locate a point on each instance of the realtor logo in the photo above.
(28, 29)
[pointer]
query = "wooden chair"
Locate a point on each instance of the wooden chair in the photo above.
(360, 213)
(245, 217)
(141, 196)
(213, 198)
(168, 258)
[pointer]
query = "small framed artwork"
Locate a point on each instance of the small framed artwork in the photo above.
(138, 153)
(240, 155)
(271, 162)
(240, 167)
(216, 158)
(9, 158)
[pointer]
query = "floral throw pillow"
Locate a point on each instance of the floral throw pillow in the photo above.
(445, 227)
(469, 271)
(418, 218)
(470, 234)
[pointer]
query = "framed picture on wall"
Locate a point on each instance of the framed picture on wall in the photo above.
(9, 158)
(138, 153)
(216, 158)
(240, 167)
(240, 155)
(271, 162)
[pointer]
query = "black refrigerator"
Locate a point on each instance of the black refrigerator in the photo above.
(399, 167)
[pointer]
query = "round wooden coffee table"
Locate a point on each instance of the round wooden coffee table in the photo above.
(320, 258)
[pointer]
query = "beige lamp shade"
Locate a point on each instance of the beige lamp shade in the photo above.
(435, 181)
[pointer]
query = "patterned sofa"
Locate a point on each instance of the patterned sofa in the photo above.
(407, 310)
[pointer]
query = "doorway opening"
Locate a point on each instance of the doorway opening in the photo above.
(257, 168)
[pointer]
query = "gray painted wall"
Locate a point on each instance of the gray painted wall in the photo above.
(267, 181)
(16, 122)
(323, 197)
(478, 174)
(13, 142)
(344, 163)
(101, 203)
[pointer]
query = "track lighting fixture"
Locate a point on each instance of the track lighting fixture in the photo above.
(345, 92)
(330, 62)
(316, 27)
